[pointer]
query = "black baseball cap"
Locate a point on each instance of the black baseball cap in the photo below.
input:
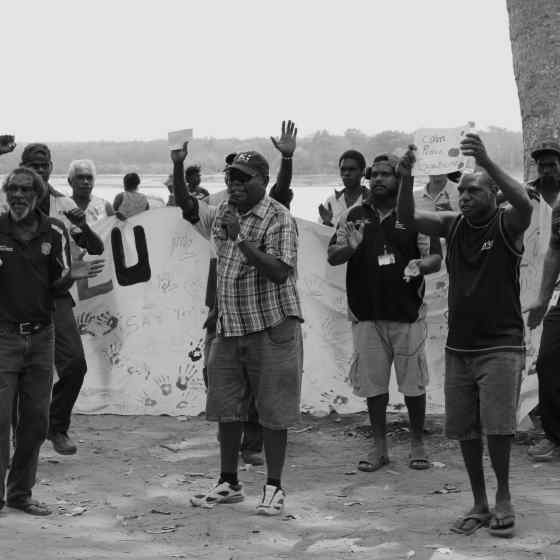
(252, 163)
(547, 146)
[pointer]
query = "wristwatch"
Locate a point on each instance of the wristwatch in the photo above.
(239, 239)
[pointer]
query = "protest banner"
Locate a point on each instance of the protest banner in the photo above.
(141, 320)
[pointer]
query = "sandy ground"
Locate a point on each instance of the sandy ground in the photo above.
(125, 495)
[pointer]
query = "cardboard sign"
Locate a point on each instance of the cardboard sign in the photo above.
(439, 150)
(177, 138)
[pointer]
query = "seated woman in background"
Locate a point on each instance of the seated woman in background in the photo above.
(130, 202)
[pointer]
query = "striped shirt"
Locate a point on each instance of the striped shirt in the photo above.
(247, 300)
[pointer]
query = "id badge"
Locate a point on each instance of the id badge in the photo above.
(386, 259)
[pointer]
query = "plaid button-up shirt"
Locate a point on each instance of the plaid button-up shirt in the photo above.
(247, 300)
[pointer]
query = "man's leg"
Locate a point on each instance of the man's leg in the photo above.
(462, 422)
(274, 361)
(499, 448)
(499, 380)
(11, 349)
(411, 366)
(370, 373)
(71, 368)
(549, 388)
(226, 403)
(252, 443)
(377, 409)
(34, 392)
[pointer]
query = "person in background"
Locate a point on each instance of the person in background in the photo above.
(440, 193)
(485, 350)
(34, 265)
(81, 178)
(385, 290)
(352, 166)
(130, 202)
(69, 355)
(547, 184)
(193, 179)
(252, 441)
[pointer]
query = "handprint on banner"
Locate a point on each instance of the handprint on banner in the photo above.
(195, 352)
(146, 400)
(188, 372)
(166, 284)
(97, 324)
(140, 369)
(164, 384)
(113, 354)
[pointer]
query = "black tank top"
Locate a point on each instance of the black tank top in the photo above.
(484, 288)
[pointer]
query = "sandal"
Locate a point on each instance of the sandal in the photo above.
(481, 519)
(32, 507)
(224, 493)
(504, 530)
(365, 465)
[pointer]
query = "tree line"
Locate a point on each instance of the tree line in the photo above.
(316, 154)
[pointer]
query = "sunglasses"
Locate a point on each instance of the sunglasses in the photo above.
(236, 176)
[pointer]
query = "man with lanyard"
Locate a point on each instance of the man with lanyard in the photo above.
(385, 289)
(34, 264)
(352, 166)
(252, 440)
(69, 356)
(547, 158)
(258, 349)
(485, 345)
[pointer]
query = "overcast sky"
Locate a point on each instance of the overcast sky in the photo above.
(123, 69)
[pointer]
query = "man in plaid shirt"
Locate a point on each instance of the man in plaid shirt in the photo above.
(258, 349)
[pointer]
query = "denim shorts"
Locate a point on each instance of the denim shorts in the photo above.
(267, 364)
(482, 393)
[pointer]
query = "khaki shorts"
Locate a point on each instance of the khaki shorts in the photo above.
(380, 344)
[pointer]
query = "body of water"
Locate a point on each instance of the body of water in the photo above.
(309, 190)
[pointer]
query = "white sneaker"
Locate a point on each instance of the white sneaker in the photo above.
(272, 502)
(224, 493)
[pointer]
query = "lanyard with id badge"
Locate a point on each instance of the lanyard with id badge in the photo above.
(386, 258)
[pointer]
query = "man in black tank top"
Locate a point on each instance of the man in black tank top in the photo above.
(485, 350)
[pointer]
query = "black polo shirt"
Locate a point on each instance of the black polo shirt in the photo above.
(29, 269)
(377, 291)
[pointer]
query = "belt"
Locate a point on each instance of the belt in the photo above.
(24, 329)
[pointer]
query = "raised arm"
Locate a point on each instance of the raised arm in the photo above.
(286, 145)
(517, 216)
(436, 224)
(551, 270)
(183, 199)
(7, 144)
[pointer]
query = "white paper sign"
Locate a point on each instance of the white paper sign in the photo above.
(438, 150)
(177, 138)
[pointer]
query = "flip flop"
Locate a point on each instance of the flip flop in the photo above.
(506, 531)
(419, 463)
(365, 465)
(482, 520)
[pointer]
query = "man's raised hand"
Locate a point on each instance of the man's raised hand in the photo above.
(406, 163)
(286, 144)
(473, 146)
(354, 234)
(178, 156)
(7, 143)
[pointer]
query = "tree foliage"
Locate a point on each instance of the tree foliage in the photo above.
(316, 154)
